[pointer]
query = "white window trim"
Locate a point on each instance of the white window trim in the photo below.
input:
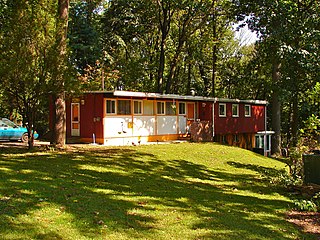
(225, 110)
(235, 115)
(163, 103)
(141, 107)
(247, 115)
(115, 107)
(185, 108)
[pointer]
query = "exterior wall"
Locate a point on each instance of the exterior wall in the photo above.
(134, 129)
(91, 117)
(117, 129)
(234, 125)
(205, 111)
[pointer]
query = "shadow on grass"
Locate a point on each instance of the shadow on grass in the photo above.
(121, 189)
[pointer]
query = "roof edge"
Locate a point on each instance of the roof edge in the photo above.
(119, 93)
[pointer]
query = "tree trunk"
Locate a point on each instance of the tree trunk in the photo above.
(205, 79)
(189, 80)
(164, 21)
(174, 63)
(295, 120)
(276, 111)
(161, 66)
(214, 52)
(214, 69)
(59, 129)
(30, 129)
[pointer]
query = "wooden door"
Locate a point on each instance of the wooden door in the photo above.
(190, 114)
(75, 119)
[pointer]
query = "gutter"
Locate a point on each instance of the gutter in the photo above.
(213, 105)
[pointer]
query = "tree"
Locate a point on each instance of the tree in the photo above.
(83, 36)
(158, 49)
(283, 28)
(27, 39)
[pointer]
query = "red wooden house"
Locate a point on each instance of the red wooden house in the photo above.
(126, 118)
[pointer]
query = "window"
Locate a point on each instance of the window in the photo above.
(137, 107)
(160, 108)
(124, 107)
(147, 107)
(170, 108)
(235, 110)
(111, 107)
(182, 108)
(222, 110)
(259, 139)
(247, 110)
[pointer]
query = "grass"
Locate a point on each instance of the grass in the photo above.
(169, 191)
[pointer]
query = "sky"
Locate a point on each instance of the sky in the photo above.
(244, 35)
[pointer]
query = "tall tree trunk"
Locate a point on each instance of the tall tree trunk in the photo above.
(214, 70)
(189, 79)
(205, 79)
(30, 129)
(161, 65)
(295, 120)
(174, 63)
(276, 110)
(214, 50)
(59, 129)
(164, 21)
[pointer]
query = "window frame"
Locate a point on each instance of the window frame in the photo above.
(249, 108)
(115, 107)
(170, 108)
(225, 110)
(148, 106)
(163, 108)
(237, 106)
(141, 107)
(184, 108)
(130, 108)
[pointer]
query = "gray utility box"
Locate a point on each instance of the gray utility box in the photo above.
(311, 167)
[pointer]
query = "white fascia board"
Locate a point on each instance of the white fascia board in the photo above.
(162, 96)
(266, 132)
(118, 93)
(227, 100)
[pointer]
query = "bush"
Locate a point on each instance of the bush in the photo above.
(305, 205)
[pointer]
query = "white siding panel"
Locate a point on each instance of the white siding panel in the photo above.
(144, 126)
(167, 125)
(182, 124)
(117, 126)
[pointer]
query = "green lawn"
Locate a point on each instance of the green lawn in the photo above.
(165, 191)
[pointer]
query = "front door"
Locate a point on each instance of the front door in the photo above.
(190, 115)
(75, 119)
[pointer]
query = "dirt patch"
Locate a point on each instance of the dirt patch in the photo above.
(308, 221)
